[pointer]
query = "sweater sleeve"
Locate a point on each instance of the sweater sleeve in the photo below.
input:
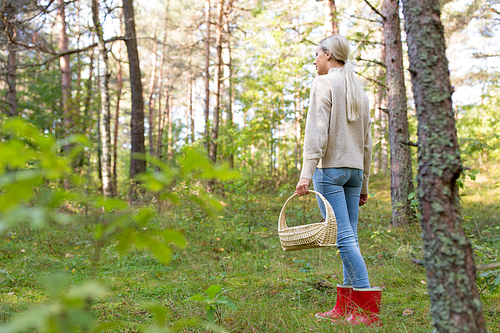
(367, 159)
(317, 127)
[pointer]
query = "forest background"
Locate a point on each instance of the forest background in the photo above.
(199, 101)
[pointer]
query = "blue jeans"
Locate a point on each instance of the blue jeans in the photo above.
(341, 187)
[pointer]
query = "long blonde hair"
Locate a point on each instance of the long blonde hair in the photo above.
(338, 47)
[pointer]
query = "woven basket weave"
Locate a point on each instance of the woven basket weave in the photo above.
(308, 236)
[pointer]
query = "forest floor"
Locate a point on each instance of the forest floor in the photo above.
(272, 290)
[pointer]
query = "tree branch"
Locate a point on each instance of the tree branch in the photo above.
(373, 61)
(409, 143)
(488, 266)
(375, 9)
(369, 79)
(58, 55)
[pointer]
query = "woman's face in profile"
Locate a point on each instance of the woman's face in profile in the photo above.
(321, 62)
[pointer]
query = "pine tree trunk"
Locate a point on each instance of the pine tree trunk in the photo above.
(448, 257)
(159, 135)
(331, 23)
(65, 67)
(207, 76)
(217, 72)
(401, 172)
(137, 163)
(230, 97)
(152, 85)
(105, 128)
(11, 66)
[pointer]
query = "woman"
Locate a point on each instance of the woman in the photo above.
(337, 157)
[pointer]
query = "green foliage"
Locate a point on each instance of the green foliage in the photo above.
(33, 176)
(212, 299)
(67, 310)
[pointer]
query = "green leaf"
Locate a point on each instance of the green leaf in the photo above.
(213, 290)
(87, 290)
(173, 236)
(211, 315)
(159, 311)
(125, 240)
(55, 284)
(36, 317)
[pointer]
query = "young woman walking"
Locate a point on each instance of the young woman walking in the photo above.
(337, 157)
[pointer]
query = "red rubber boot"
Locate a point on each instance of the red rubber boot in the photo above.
(343, 306)
(366, 307)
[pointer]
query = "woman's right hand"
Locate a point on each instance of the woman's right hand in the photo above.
(363, 199)
(302, 187)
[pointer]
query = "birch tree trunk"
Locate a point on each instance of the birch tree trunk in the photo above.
(105, 128)
(448, 257)
(217, 77)
(137, 163)
(207, 76)
(119, 86)
(65, 66)
(401, 172)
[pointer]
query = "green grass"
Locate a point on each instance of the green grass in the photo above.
(273, 290)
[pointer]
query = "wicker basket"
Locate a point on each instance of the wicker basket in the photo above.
(308, 236)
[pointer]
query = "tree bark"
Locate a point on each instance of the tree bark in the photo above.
(105, 128)
(448, 257)
(119, 83)
(11, 66)
(207, 76)
(138, 158)
(152, 85)
(65, 66)
(159, 136)
(217, 81)
(230, 96)
(331, 23)
(401, 172)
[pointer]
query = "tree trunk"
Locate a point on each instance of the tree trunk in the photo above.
(107, 182)
(119, 83)
(11, 66)
(448, 257)
(159, 136)
(217, 72)
(152, 85)
(207, 76)
(230, 97)
(331, 24)
(65, 67)
(401, 172)
(138, 158)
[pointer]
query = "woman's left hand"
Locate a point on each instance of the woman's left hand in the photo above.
(302, 187)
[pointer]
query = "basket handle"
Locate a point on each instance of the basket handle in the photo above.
(330, 215)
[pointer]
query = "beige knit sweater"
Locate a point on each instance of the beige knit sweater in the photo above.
(331, 141)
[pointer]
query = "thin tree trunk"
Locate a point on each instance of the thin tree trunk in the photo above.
(190, 124)
(78, 98)
(119, 79)
(448, 257)
(217, 81)
(169, 118)
(331, 23)
(11, 65)
(105, 126)
(137, 163)
(207, 76)
(152, 85)
(230, 96)
(401, 172)
(65, 67)
(160, 87)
